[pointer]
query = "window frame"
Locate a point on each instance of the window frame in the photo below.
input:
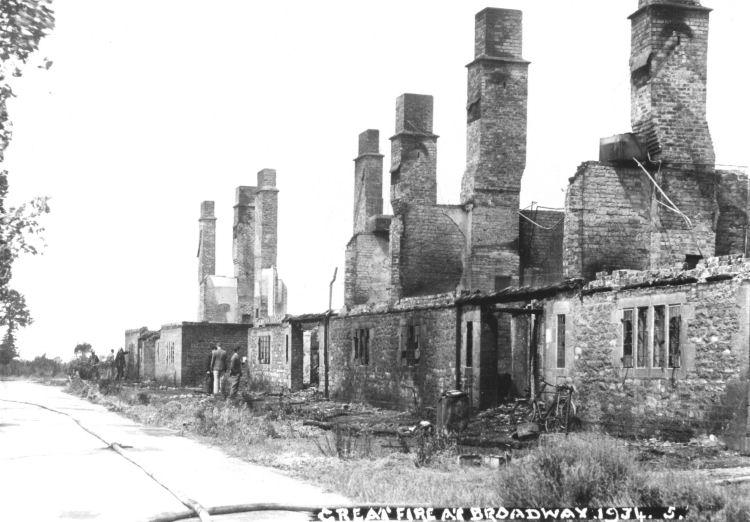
(264, 349)
(410, 351)
(645, 363)
(560, 342)
(361, 339)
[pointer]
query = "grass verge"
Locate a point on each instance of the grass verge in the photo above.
(580, 470)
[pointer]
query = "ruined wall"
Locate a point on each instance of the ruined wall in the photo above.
(707, 393)
(148, 356)
(277, 372)
(140, 345)
(219, 300)
(196, 347)
(388, 379)
(367, 277)
(732, 195)
(431, 243)
(541, 247)
(132, 343)
(668, 81)
(614, 220)
(168, 366)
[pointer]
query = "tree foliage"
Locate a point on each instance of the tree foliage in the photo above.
(23, 23)
(82, 350)
(8, 347)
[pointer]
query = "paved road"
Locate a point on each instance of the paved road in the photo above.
(52, 469)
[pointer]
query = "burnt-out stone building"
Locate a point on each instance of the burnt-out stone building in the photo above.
(620, 294)
(182, 352)
(140, 345)
(255, 292)
(287, 354)
(426, 248)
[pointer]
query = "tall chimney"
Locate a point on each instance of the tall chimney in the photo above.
(495, 149)
(413, 154)
(368, 180)
(244, 250)
(206, 241)
(669, 46)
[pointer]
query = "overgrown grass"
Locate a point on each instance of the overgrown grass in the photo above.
(579, 470)
(598, 470)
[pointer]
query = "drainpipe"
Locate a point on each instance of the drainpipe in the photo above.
(326, 327)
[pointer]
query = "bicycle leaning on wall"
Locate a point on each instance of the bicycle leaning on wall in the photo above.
(555, 415)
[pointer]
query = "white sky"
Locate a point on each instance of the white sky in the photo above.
(154, 106)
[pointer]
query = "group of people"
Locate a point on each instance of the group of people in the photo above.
(217, 367)
(114, 365)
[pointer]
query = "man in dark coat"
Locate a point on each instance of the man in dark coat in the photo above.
(209, 369)
(120, 363)
(218, 366)
(235, 371)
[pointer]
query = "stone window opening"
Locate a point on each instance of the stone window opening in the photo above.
(287, 348)
(469, 344)
(411, 351)
(361, 346)
(651, 337)
(264, 349)
(561, 340)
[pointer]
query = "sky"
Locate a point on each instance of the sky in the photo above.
(152, 106)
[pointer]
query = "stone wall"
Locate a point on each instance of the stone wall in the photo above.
(614, 219)
(431, 243)
(387, 378)
(367, 276)
(147, 359)
(277, 372)
(140, 344)
(219, 300)
(706, 392)
(196, 347)
(132, 343)
(168, 367)
(733, 199)
(541, 247)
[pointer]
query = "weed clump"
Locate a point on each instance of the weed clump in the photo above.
(598, 470)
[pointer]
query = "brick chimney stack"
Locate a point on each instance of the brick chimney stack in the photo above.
(413, 154)
(668, 82)
(368, 180)
(495, 148)
(244, 249)
(206, 241)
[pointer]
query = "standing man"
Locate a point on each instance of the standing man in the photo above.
(109, 365)
(218, 366)
(120, 364)
(235, 371)
(209, 369)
